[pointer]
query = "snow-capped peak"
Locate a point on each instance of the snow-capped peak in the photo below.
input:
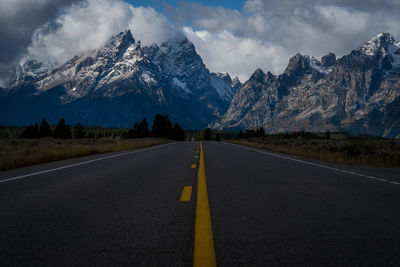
(117, 45)
(384, 48)
(305, 64)
(379, 43)
(123, 38)
(29, 68)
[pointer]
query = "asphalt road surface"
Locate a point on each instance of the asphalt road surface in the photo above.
(139, 209)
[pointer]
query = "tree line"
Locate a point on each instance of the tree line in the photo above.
(259, 132)
(162, 127)
(302, 134)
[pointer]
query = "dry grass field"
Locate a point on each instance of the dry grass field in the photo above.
(367, 152)
(15, 153)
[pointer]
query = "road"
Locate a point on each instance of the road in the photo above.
(137, 209)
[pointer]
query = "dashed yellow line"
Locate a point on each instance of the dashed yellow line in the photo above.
(186, 194)
(196, 157)
(204, 252)
(193, 166)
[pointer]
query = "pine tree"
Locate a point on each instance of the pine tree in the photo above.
(177, 133)
(143, 129)
(328, 134)
(44, 129)
(28, 132)
(134, 132)
(260, 132)
(217, 137)
(241, 134)
(162, 126)
(32, 131)
(207, 134)
(36, 131)
(79, 131)
(63, 130)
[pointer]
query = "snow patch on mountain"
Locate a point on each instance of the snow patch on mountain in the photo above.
(316, 65)
(182, 85)
(384, 47)
(378, 43)
(147, 78)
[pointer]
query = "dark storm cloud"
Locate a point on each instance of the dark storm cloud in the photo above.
(18, 21)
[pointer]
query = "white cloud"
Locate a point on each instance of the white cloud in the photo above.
(86, 26)
(224, 52)
(265, 34)
(275, 30)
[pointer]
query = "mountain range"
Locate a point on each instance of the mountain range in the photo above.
(118, 84)
(123, 82)
(357, 93)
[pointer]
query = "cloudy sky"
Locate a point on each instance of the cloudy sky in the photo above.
(231, 36)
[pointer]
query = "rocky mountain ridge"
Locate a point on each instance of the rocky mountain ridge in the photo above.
(359, 93)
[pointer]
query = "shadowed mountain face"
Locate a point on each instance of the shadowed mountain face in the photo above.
(119, 84)
(359, 92)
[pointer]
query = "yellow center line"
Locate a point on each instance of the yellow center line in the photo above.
(193, 166)
(204, 252)
(196, 157)
(186, 194)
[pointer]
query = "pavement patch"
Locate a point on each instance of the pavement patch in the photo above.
(316, 164)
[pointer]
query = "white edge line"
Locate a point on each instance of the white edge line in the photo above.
(80, 163)
(314, 164)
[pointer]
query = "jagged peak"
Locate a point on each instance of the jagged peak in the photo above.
(379, 42)
(177, 45)
(383, 37)
(270, 75)
(258, 71)
(304, 64)
(328, 60)
(224, 76)
(258, 75)
(235, 81)
(299, 58)
(122, 39)
(298, 64)
(126, 36)
(116, 45)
